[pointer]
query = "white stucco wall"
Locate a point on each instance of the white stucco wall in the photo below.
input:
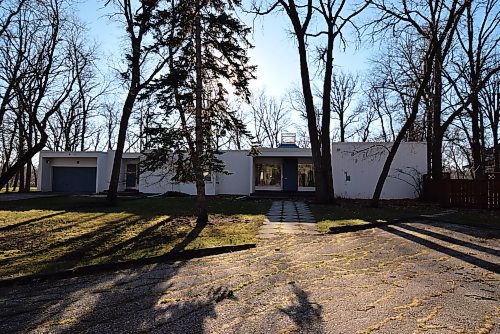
(237, 163)
(102, 173)
(363, 162)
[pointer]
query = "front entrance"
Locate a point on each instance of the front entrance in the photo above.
(290, 174)
(131, 177)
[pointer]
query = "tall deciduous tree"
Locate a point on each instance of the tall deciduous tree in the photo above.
(323, 21)
(436, 28)
(208, 48)
(145, 60)
(38, 77)
(479, 62)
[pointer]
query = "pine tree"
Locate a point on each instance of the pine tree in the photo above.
(208, 52)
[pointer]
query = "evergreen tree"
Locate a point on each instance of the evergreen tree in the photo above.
(208, 54)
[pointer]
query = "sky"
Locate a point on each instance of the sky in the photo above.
(274, 51)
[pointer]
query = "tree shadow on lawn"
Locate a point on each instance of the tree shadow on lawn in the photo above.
(127, 301)
(352, 212)
(99, 246)
(79, 246)
(10, 227)
(73, 240)
(404, 229)
(141, 206)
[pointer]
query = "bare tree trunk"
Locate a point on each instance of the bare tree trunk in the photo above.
(326, 153)
(342, 129)
(321, 182)
(429, 136)
(437, 130)
(201, 201)
(29, 142)
(392, 154)
(120, 145)
(477, 162)
(135, 59)
(21, 149)
(437, 154)
(14, 184)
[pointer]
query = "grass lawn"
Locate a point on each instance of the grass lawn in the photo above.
(17, 190)
(473, 217)
(357, 212)
(47, 234)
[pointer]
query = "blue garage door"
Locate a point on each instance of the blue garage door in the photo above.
(74, 179)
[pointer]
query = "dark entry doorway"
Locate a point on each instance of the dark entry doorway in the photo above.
(290, 174)
(131, 180)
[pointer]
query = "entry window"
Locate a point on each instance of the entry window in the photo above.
(268, 175)
(131, 179)
(306, 175)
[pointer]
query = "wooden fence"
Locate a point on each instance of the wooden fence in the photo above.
(481, 194)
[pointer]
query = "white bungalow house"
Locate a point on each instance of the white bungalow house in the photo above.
(288, 168)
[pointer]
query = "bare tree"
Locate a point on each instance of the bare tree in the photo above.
(490, 100)
(270, 118)
(139, 25)
(111, 117)
(477, 65)
(330, 19)
(40, 81)
(437, 28)
(366, 116)
(8, 11)
(344, 87)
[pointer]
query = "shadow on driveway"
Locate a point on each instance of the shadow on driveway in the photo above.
(403, 230)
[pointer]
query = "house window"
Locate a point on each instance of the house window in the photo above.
(131, 176)
(306, 175)
(268, 175)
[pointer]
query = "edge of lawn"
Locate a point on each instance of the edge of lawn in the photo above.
(128, 264)
(190, 250)
(355, 215)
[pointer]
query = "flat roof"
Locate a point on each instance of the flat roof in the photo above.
(284, 152)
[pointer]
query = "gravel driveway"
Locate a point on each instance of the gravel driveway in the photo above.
(405, 278)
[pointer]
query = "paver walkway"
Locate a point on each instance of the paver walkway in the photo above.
(422, 278)
(293, 217)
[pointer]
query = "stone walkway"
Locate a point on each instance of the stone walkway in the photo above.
(421, 278)
(288, 217)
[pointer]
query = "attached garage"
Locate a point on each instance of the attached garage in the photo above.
(74, 179)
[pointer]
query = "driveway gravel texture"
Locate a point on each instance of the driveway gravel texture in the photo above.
(418, 277)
